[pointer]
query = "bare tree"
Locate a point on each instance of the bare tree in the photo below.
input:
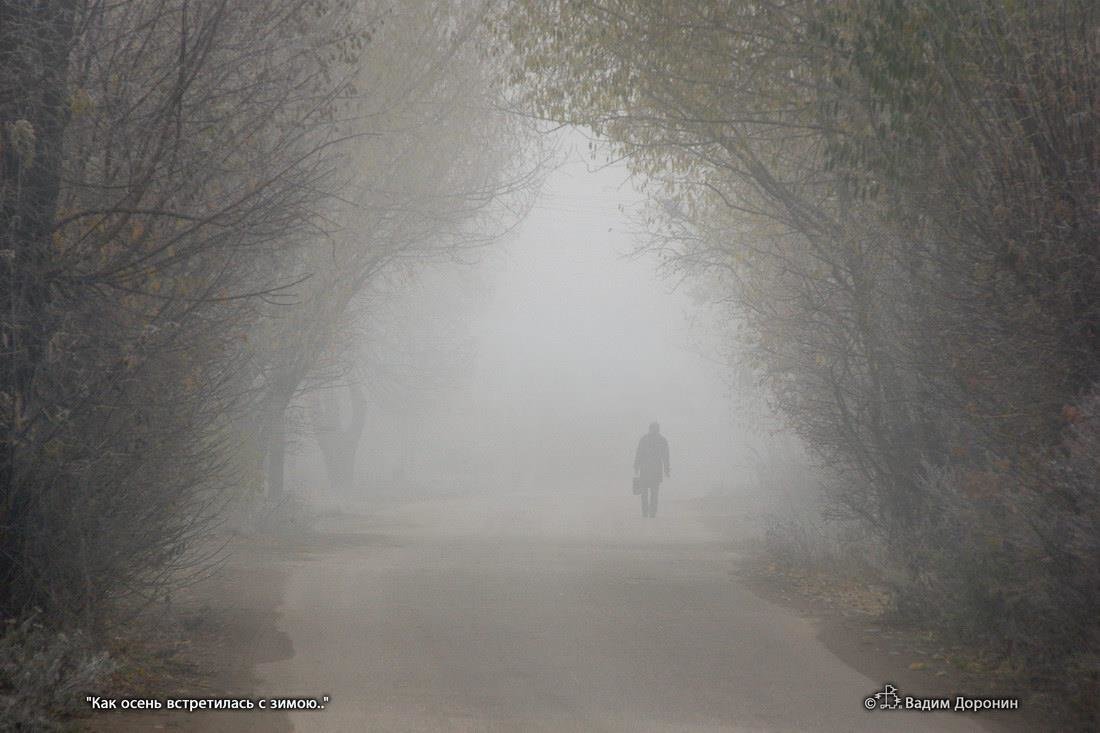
(162, 160)
(443, 174)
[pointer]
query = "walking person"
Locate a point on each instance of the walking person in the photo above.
(650, 466)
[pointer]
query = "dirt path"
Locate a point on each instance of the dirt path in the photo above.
(545, 613)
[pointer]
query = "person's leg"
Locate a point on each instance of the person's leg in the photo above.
(653, 501)
(645, 501)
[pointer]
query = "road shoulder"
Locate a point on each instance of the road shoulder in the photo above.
(203, 644)
(853, 623)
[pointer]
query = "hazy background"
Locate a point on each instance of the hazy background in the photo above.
(551, 355)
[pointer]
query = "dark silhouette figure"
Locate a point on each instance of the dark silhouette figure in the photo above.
(650, 466)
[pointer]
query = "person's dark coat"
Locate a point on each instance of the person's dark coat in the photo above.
(651, 459)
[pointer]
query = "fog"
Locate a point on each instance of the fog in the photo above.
(566, 344)
(336, 334)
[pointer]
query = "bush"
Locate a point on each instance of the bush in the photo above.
(45, 674)
(1009, 557)
(837, 547)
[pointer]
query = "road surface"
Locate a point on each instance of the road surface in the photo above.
(553, 612)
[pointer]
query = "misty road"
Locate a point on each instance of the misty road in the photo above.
(554, 612)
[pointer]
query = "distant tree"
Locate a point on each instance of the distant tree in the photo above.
(443, 174)
(337, 434)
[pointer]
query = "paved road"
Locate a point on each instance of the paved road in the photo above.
(554, 613)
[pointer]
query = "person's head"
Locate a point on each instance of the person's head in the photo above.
(654, 428)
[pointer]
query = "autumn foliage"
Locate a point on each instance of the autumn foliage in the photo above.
(899, 200)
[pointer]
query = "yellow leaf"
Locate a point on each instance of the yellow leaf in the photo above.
(80, 102)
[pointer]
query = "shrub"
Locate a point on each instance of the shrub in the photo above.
(45, 674)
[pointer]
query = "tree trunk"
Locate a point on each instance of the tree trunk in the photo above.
(274, 441)
(276, 458)
(339, 444)
(35, 40)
